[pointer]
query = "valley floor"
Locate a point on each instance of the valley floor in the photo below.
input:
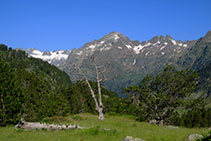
(113, 128)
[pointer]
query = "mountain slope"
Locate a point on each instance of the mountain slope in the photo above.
(19, 61)
(198, 58)
(124, 62)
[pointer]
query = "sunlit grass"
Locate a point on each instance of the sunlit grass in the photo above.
(113, 128)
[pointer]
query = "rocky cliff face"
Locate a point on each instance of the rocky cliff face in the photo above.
(124, 62)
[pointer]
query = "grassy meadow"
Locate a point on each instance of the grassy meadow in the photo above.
(113, 128)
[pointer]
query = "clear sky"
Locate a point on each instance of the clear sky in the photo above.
(67, 24)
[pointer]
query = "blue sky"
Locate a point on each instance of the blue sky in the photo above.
(67, 24)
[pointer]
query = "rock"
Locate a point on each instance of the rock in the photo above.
(193, 137)
(153, 121)
(40, 126)
(130, 138)
(173, 127)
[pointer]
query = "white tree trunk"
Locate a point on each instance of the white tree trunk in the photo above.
(93, 95)
(101, 115)
(100, 110)
(98, 104)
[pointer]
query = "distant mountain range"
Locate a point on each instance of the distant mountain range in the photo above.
(124, 62)
(52, 57)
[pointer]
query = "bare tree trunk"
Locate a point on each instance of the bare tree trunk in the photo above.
(100, 110)
(98, 104)
(93, 95)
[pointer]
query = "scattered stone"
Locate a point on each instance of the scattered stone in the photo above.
(130, 138)
(173, 127)
(153, 121)
(42, 126)
(193, 137)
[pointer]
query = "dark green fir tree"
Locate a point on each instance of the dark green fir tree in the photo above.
(11, 96)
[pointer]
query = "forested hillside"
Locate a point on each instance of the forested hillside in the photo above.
(39, 90)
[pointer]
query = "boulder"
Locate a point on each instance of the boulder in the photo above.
(193, 137)
(153, 121)
(130, 138)
(172, 127)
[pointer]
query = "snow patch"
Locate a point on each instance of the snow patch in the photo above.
(134, 61)
(180, 44)
(92, 46)
(37, 52)
(120, 47)
(162, 53)
(138, 48)
(105, 48)
(158, 42)
(147, 53)
(79, 53)
(162, 47)
(116, 37)
(128, 46)
(58, 55)
(174, 42)
(166, 43)
(147, 44)
(185, 45)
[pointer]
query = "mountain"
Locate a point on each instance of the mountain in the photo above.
(53, 57)
(199, 58)
(124, 62)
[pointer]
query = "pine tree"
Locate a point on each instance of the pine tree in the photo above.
(162, 94)
(11, 96)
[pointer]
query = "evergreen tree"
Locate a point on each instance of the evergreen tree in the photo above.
(11, 96)
(39, 99)
(162, 94)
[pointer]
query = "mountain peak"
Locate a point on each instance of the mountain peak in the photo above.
(115, 36)
(154, 39)
(115, 33)
(168, 37)
(209, 32)
(207, 37)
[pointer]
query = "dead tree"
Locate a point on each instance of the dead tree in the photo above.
(100, 108)
(98, 103)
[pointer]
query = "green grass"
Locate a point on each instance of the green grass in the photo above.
(120, 127)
